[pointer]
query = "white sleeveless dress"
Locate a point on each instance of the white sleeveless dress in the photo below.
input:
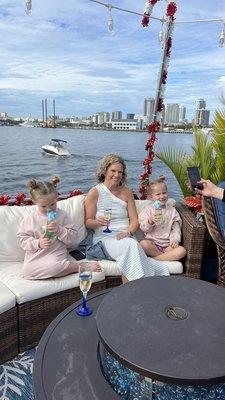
(131, 258)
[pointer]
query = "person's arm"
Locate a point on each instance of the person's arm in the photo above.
(66, 232)
(26, 237)
(90, 207)
(144, 219)
(211, 190)
(132, 212)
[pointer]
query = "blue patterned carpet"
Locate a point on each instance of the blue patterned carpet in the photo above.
(16, 377)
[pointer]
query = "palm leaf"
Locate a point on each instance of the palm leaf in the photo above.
(177, 161)
(203, 154)
(218, 138)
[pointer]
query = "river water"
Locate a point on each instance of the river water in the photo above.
(22, 158)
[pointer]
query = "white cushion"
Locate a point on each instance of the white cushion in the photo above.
(27, 290)
(7, 299)
(11, 217)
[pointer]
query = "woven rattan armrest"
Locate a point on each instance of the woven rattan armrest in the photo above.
(215, 234)
(193, 239)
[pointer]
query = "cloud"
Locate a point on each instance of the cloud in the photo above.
(63, 50)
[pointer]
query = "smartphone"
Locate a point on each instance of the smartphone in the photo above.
(194, 177)
(77, 254)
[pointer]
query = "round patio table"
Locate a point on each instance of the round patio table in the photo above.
(167, 329)
(170, 329)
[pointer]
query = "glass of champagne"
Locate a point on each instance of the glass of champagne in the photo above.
(107, 216)
(85, 281)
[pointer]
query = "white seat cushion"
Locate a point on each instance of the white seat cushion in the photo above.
(27, 290)
(7, 299)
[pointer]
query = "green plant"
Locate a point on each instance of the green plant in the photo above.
(207, 154)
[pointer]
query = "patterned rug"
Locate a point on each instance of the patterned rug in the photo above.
(16, 377)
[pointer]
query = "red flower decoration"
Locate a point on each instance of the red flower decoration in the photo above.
(145, 20)
(160, 105)
(19, 199)
(194, 202)
(171, 10)
(75, 192)
(153, 127)
(169, 45)
(4, 199)
(164, 77)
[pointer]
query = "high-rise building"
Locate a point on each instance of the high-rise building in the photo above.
(200, 104)
(130, 116)
(116, 115)
(172, 113)
(201, 114)
(148, 110)
(202, 117)
(182, 113)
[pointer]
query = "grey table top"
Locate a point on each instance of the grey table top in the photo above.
(66, 364)
(138, 324)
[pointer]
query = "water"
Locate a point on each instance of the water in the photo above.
(21, 157)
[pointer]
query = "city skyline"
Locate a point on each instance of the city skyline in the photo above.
(64, 51)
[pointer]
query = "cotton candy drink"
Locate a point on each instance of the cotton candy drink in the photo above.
(158, 212)
(51, 216)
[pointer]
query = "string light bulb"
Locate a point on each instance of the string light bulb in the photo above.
(161, 34)
(28, 5)
(110, 20)
(222, 36)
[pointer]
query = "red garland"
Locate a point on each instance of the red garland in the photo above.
(164, 77)
(169, 45)
(145, 19)
(154, 126)
(21, 199)
(160, 105)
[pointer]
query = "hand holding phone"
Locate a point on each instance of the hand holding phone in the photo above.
(194, 178)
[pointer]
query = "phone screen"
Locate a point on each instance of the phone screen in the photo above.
(194, 177)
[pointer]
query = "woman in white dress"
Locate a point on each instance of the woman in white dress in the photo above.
(111, 192)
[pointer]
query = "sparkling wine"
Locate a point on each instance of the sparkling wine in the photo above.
(85, 282)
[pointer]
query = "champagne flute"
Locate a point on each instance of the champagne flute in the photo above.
(107, 216)
(85, 281)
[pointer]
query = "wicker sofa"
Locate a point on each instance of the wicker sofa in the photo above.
(37, 303)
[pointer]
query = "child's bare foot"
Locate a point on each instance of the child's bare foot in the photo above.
(93, 266)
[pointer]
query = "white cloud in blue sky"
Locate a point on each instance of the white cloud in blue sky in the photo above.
(64, 51)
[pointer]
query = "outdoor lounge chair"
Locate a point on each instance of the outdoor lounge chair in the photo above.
(215, 234)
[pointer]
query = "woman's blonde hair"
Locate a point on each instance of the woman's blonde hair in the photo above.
(106, 162)
(38, 189)
(159, 180)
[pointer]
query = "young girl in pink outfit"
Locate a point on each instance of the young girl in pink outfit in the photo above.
(45, 242)
(161, 225)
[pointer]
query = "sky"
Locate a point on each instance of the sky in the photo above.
(64, 51)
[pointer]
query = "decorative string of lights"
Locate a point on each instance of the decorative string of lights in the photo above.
(165, 39)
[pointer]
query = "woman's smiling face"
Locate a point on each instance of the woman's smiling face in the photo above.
(114, 174)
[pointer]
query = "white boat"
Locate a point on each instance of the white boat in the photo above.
(28, 123)
(56, 148)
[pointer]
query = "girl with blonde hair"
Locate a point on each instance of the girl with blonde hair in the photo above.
(45, 240)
